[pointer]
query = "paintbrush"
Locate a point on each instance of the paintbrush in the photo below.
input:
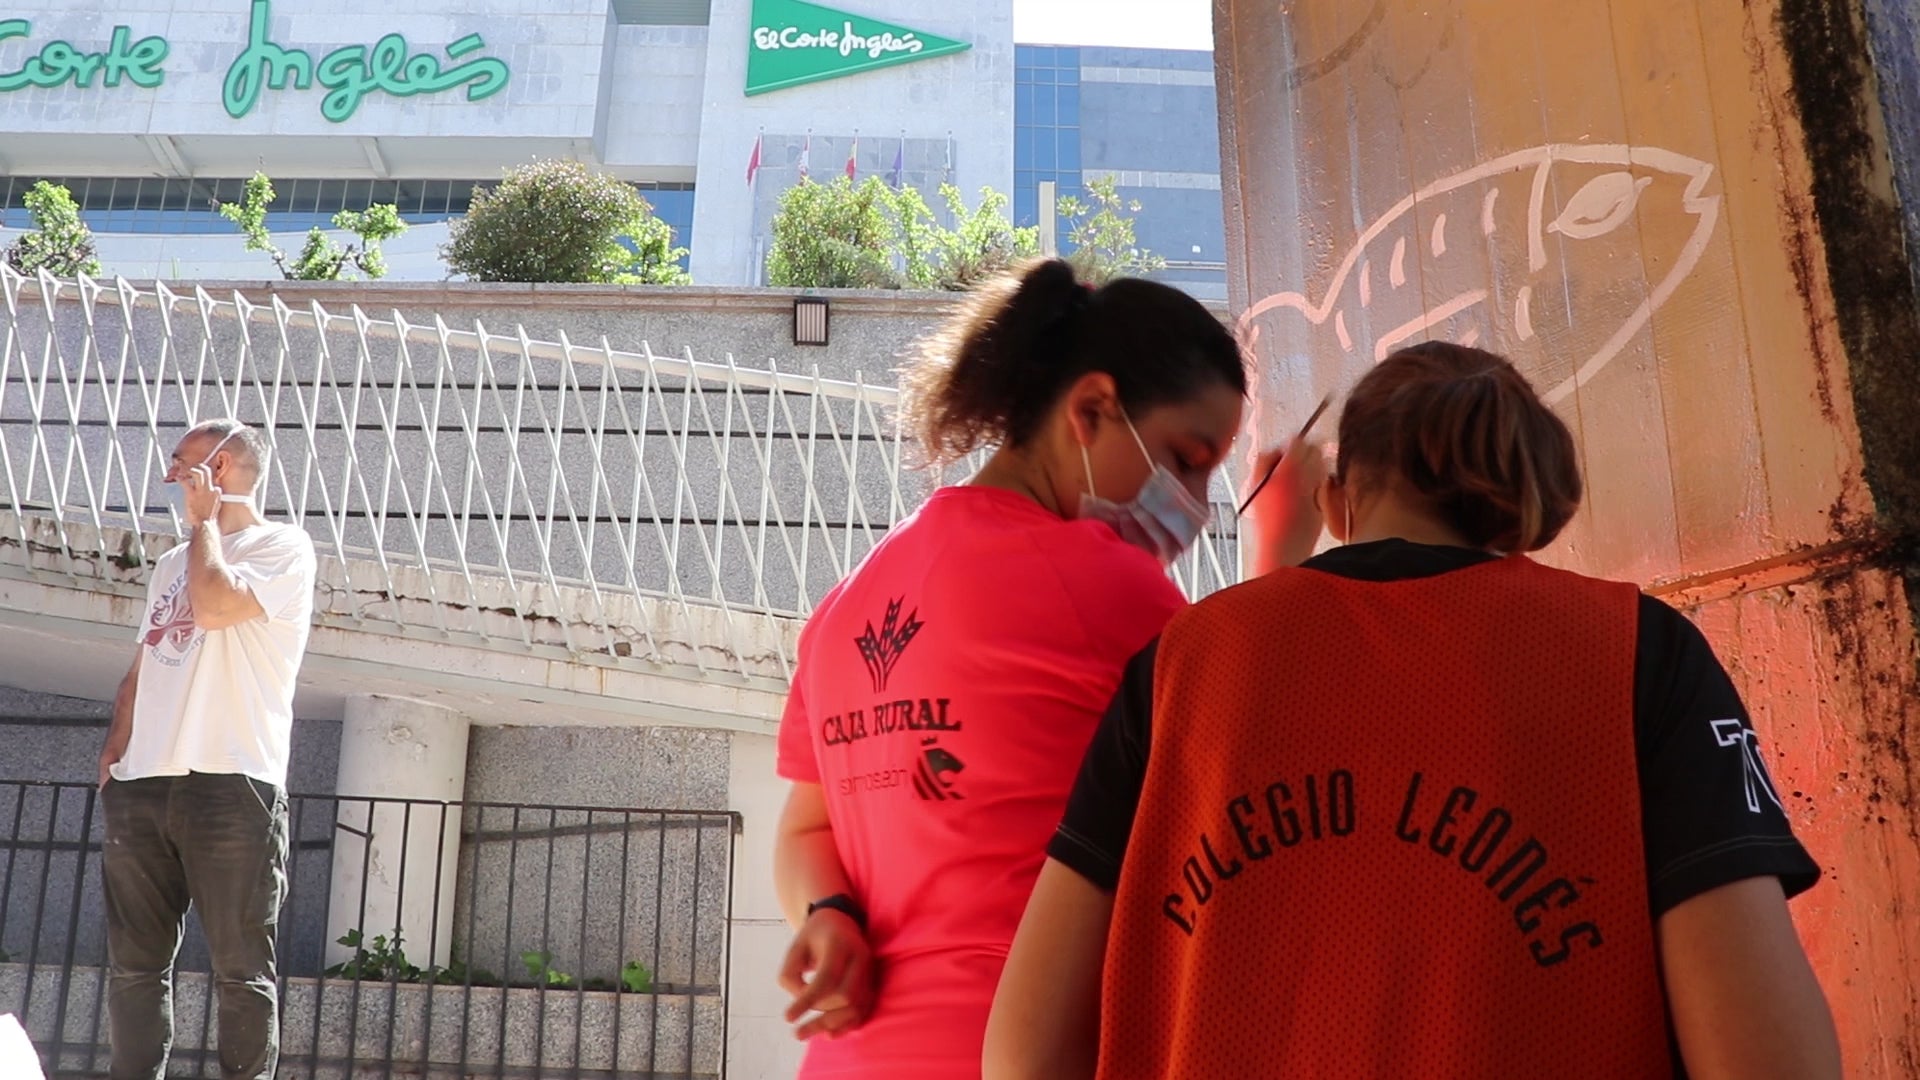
(1271, 469)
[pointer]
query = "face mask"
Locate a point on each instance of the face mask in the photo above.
(1164, 519)
(180, 492)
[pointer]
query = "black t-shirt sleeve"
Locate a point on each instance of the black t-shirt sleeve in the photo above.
(1710, 812)
(1092, 837)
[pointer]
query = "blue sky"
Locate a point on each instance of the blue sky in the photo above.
(1162, 24)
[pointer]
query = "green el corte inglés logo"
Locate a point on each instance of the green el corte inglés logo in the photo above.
(349, 74)
(795, 42)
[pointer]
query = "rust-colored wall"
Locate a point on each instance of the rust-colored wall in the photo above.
(1623, 197)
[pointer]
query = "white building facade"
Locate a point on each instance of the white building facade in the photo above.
(151, 110)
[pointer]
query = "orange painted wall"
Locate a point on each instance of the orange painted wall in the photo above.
(1618, 196)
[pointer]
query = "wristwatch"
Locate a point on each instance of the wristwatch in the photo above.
(845, 905)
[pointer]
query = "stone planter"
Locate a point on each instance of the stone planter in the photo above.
(337, 1029)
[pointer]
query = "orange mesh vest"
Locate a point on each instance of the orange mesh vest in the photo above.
(1390, 829)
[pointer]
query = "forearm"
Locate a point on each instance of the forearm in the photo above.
(806, 867)
(216, 592)
(120, 730)
(1045, 1023)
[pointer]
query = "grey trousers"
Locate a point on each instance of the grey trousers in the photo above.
(219, 843)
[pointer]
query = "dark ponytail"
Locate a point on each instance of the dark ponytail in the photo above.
(994, 372)
(1465, 431)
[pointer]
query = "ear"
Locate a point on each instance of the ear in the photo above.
(1331, 498)
(1092, 399)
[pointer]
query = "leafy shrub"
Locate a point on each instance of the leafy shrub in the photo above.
(559, 221)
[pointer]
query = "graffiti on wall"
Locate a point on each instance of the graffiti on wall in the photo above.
(1549, 220)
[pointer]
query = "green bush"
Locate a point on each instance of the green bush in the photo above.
(983, 244)
(835, 235)
(60, 243)
(559, 221)
(840, 235)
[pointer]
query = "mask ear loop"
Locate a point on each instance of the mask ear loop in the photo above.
(1087, 463)
(1135, 432)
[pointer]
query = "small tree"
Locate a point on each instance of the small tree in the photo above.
(1101, 231)
(60, 243)
(834, 236)
(320, 259)
(917, 236)
(983, 244)
(559, 221)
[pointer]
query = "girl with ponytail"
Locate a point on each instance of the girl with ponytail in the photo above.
(946, 690)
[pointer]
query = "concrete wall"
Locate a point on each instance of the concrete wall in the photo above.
(1678, 220)
(658, 75)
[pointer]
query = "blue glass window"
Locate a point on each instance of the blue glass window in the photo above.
(1046, 125)
(1044, 114)
(1069, 156)
(1068, 113)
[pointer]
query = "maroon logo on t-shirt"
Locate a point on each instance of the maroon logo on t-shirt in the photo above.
(882, 650)
(170, 628)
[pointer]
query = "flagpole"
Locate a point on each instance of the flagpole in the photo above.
(756, 265)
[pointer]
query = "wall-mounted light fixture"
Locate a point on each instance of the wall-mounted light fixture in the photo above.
(809, 320)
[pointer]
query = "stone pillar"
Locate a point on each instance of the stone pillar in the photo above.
(1680, 220)
(760, 1043)
(395, 864)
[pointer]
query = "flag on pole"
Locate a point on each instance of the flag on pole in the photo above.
(806, 157)
(897, 178)
(853, 153)
(753, 163)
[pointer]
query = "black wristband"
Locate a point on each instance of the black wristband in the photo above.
(845, 905)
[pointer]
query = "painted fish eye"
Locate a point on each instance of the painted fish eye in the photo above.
(1602, 205)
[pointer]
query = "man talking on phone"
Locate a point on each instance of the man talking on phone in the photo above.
(193, 776)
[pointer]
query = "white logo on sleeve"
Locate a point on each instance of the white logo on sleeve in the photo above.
(1737, 733)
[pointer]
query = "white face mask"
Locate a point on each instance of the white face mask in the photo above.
(1164, 519)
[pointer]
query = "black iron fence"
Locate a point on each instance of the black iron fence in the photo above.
(418, 939)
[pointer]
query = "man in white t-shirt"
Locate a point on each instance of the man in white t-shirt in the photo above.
(193, 776)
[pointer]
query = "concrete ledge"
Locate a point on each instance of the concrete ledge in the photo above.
(496, 649)
(455, 294)
(376, 295)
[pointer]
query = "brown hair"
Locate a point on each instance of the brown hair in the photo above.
(1466, 432)
(991, 375)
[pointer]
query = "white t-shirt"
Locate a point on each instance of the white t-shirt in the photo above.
(221, 701)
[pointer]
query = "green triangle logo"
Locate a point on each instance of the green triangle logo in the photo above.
(795, 42)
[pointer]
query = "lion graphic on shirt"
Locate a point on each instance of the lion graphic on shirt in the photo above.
(170, 622)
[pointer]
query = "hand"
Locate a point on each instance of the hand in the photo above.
(829, 971)
(1286, 518)
(202, 496)
(109, 757)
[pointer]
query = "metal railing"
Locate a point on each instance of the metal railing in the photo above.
(417, 939)
(555, 466)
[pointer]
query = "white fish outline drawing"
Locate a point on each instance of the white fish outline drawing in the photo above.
(1603, 205)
